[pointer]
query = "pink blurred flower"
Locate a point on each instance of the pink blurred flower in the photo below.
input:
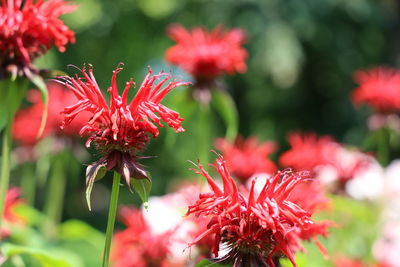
(207, 55)
(254, 228)
(247, 157)
(29, 29)
(138, 246)
(329, 160)
(379, 88)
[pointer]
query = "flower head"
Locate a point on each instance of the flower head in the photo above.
(27, 121)
(247, 157)
(138, 246)
(207, 55)
(254, 227)
(11, 201)
(30, 28)
(120, 129)
(328, 159)
(378, 88)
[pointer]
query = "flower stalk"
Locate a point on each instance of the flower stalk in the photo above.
(5, 164)
(111, 217)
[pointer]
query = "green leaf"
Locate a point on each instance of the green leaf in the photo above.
(45, 258)
(143, 188)
(207, 263)
(41, 85)
(94, 172)
(226, 108)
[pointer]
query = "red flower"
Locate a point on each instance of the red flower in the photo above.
(11, 201)
(323, 155)
(207, 55)
(247, 157)
(255, 227)
(27, 121)
(346, 262)
(137, 246)
(120, 129)
(378, 88)
(28, 29)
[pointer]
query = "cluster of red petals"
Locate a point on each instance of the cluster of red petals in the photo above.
(255, 227)
(378, 88)
(137, 246)
(30, 28)
(207, 55)
(310, 152)
(11, 201)
(120, 125)
(27, 121)
(246, 157)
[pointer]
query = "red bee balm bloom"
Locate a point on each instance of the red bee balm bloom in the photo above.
(120, 130)
(378, 88)
(28, 29)
(254, 227)
(246, 157)
(137, 246)
(207, 55)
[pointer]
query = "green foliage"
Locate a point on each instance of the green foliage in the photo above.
(143, 188)
(207, 263)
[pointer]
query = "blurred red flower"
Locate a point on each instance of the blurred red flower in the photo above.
(120, 130)
(207, 55)
(347, 262)
(137, 246)
(28, 29)
(11, 201)
(254, 227)
(27, 121)
(379, 88)
(246, 157)
(323, 156)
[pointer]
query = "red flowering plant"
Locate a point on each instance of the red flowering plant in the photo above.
(255, 228)
(9, 216)
(246, 157)
(120, 130)
(329, 160)
(28, 29)
(138, 246)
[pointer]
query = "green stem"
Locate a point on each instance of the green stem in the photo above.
(383, 150)
(55, 195)
(111, 217)
(28, 183)
(203, 132)
(5, 164)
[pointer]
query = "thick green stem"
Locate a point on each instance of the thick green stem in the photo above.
(383, 150)
(5, 165)
(111, 217)
(55, 195)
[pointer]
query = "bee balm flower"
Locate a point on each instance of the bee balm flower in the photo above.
(29, 29)
(12, 200)
(246, 157)
(378, 88)
(207, 55)
(254, 227)
(121, 129)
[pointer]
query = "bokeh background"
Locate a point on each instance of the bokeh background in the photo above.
(302, 55)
